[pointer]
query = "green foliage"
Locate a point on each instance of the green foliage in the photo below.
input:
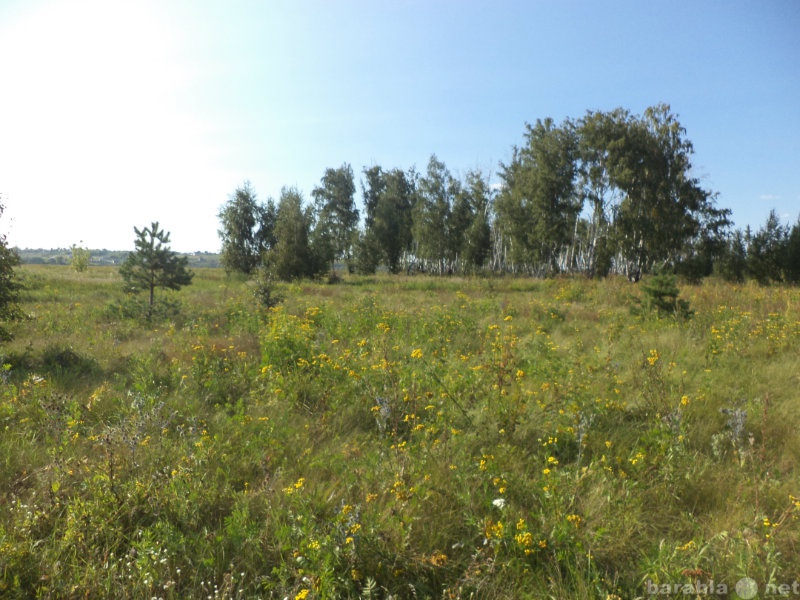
(336, 215)
(9, 284)
(164, 308)
(538, 206)
(390, 200)
(609, 193)
(153, 265)
(371, 189)
(766, 251)
(770, 255)
(661, 297)
(733, 261)
(80, 258)
(599, 137)
(476, 244)
(57, 359)
(264, 291)
(433, 226)
(367, 253)
(631, 177)
(292, 256)
(695, 267)
(246, 230)
(792, 256)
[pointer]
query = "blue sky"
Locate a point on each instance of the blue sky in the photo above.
(114, 114)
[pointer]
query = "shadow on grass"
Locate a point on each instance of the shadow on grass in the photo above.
(57, 362)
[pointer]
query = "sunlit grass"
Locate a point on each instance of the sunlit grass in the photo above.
(396, 436)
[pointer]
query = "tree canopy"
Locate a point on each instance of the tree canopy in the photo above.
(246, 230)
(292, 255)
(336, 215)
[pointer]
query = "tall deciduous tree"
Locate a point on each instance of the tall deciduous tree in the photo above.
(368, 251)
(389, 198)
(154, 265)
(372, 187)
(664, 207)
(471, 221)
(433, 239)
(336, 215)
(246, 230)
(538, 206)
(292, 257)
(392, 221)
(601, 136)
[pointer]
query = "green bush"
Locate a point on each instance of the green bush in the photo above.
(661, 297)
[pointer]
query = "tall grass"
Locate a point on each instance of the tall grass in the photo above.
(396, 437)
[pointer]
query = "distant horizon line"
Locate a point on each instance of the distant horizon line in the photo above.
(69, 248)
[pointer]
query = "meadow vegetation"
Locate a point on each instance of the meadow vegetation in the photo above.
(396, 437)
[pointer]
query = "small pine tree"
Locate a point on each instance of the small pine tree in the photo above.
(661, 297)
(154, 265)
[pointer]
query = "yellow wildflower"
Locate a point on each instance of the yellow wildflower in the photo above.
(575, 520)
(653, 358)
(524, 539)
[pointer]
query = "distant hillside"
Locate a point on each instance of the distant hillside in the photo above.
(62, 256)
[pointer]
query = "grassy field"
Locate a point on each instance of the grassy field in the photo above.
(394, 437)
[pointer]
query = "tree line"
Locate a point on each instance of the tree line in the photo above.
(611, 192)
